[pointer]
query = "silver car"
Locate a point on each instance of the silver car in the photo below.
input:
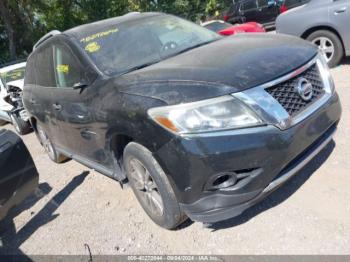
(325, 23)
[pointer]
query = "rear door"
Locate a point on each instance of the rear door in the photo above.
(268, 11)
(339, 15)
(249, 11)
(41, 101)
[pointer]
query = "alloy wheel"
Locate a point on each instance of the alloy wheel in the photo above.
(146, 187)
(46, 143)
(326, 45)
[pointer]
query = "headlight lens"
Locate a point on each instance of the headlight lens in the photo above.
(325, 72)
(204, 116)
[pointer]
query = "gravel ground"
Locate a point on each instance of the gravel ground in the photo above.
(75, 206)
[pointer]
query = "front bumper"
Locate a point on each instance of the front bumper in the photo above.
(268, 155)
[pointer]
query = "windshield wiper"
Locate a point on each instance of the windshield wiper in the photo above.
(194, 47)
(138, 67)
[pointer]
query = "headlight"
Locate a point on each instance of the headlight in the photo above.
(204, 116)
(325, 72)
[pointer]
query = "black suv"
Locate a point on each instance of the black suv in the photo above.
(261, 11)
(199, 125)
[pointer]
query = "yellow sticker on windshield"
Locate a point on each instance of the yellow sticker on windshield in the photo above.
(62, 68)
(92, 47)
(98, 35)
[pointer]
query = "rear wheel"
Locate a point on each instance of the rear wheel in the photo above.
(53, 154)
(330, 44)
(152, 187)
(22, 127)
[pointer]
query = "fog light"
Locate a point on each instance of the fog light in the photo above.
(223, 180)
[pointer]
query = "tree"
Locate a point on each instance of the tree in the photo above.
(23, 22)
(6, 17)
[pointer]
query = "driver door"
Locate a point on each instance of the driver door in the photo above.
(74, 113)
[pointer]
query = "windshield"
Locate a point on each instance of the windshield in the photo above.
(134, 44)
(13, 75)
(218, 26)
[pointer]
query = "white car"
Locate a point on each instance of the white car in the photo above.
(11, 105)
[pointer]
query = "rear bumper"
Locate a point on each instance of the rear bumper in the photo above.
(267, 155)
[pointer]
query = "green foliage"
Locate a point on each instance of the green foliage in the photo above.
(31, 19)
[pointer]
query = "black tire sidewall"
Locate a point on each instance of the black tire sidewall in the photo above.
(57, 157)
(172, 215)
(338, 46)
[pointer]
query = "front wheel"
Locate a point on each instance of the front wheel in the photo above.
(330, 44)
(152, 187)
(22, 127)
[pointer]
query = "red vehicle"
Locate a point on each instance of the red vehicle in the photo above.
(227, 29)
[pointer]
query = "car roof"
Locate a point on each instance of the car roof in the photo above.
(83, 30)
(12, 67)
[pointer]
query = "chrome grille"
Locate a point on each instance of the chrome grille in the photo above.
(288, 97)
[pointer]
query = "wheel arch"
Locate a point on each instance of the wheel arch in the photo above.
(311, 30)
(33, 122)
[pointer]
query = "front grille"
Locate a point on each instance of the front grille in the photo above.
(289, 98)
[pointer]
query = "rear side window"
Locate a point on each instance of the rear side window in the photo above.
(295, 3)
(264, 3)
(67, 68)
(29, 77)
(43, 69)
(249, 5)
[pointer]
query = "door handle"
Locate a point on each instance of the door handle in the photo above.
(57, 107)
(341, 10)
(87, 134)
(32, 101)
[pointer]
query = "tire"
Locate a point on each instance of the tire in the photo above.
(53, 154)
(157, 196)
(22, 127)
(332, 42)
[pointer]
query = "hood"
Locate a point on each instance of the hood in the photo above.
(226, 66)
(17, 83)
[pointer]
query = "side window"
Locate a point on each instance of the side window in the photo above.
(29, 77)
(43, 69)
(68, 71)
(264, 3)
(249, 5)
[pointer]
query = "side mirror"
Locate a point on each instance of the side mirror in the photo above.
(80, 85)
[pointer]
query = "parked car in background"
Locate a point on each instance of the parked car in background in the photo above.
(324, 23)
(264, 12)
(285, 5)
(11, 104)
(226, 29)
(200, 125)
(19, 176)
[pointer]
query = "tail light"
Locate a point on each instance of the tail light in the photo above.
(283, 9)
(226, 17)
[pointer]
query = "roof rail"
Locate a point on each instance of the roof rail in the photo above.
(45, 37)
(131, 13)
